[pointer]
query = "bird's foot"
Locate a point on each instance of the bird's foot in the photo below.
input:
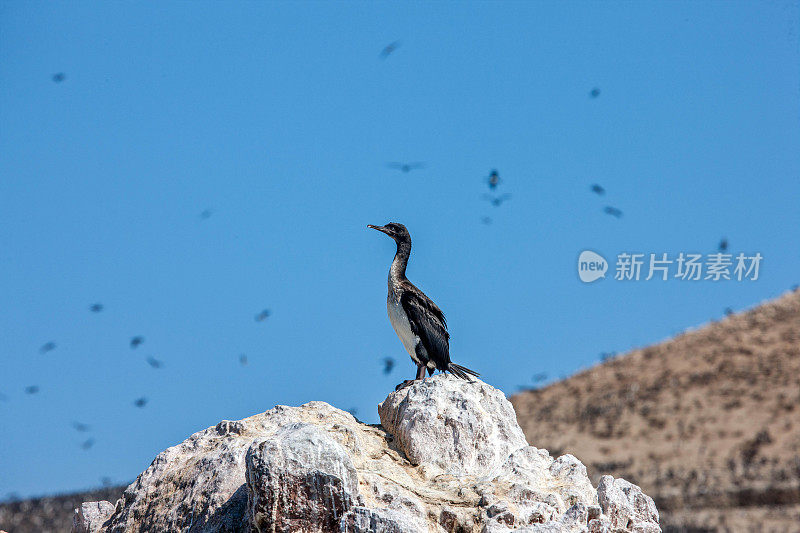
(405, 384)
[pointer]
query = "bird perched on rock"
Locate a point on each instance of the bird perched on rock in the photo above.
(418, 322)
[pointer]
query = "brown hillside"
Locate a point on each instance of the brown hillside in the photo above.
(51, 514)
(708, 423)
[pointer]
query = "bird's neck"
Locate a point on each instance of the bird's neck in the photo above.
(398, 270)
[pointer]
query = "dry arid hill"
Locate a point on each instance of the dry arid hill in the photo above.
(708, 423)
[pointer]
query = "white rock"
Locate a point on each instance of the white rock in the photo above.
(460, 427)
(299, 480)
(363, 520)
(450, 457)
(90, 516)
(626, 506)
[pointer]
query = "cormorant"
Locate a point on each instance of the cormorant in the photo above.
(497, 201)
(494, 179)
(418, 322)
(405, 168)
(388, 365)
(47, 347)
(389, 48)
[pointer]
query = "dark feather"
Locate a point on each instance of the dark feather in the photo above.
(462, 371)
(427, 323)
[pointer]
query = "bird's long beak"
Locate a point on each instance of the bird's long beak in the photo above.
(379, 228)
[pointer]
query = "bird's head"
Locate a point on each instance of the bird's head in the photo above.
(396, 231)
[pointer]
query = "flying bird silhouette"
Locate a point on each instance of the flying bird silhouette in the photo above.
(497, 201)
(155, 363)
(140, 402)
(486, 220)
(263, 315)
(243, 359)
(388, 49)
(613, 211)
(31, 389)
(594, 93)
(541, 376)
(405, 168)
(418, 322)
(47, 347)
(87, 444)
(96, 308)
(59, 77)
(136, 341)
(388, 365)
(80, 427)
(597, 189)
(723, 245)
(494, 179)
(206, 214)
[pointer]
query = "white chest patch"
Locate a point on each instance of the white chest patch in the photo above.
(399, 320)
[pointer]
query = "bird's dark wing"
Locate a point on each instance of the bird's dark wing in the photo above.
(428, 323)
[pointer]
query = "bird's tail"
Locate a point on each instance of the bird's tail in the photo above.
(461, 371)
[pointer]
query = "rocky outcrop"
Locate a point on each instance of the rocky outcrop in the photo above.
(90, 516)
(448, 457)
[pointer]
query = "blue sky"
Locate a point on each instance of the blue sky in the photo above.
(280, 118)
